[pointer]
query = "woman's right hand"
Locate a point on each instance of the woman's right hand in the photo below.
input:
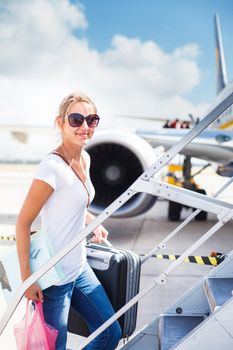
(34, 293)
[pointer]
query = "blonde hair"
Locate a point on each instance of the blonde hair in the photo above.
(71, 99)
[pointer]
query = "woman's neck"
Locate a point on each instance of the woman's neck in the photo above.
(70, 153)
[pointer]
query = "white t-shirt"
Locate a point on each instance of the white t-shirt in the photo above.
(63, 215)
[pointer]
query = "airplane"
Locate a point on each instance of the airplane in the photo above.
(118, 157)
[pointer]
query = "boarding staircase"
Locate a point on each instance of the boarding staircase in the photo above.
(203, 317)
(213, 328)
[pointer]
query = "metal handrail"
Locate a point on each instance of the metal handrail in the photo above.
(162, 244)
(161, 279)
(165, 159)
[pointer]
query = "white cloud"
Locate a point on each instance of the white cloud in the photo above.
(189, 51)
(43, 57)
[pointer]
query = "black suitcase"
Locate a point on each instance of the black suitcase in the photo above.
(119, 272)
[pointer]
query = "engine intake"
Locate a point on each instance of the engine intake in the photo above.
(118, 158)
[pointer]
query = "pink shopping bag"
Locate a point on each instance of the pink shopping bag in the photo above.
(35, 334)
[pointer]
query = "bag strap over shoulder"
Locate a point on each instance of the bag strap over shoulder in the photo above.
(76, 173)
(59, 155)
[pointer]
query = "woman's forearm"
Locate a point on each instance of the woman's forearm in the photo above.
(100, 231)
(23, 249)
(89, 218)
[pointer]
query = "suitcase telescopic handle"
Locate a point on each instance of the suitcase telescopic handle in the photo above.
(104, 242)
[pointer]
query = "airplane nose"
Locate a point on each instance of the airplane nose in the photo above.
(221, 138)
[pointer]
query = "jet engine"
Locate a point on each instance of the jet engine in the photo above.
(118, 158)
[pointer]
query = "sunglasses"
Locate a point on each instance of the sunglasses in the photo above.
(76, 120)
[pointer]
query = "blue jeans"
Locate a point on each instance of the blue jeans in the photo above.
(89, 299)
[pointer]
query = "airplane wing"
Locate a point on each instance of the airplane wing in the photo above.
(214, 146)
(155, 118)
(119, 157)
(211, 145)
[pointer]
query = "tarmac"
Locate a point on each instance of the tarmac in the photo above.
(139, 234)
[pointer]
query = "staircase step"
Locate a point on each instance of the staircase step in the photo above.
(218, 291)
(172, 328)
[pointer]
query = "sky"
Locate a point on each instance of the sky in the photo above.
(139, 58)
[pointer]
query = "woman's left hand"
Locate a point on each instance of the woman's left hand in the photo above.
(100, 233)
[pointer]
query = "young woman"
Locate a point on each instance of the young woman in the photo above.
(62, 191)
